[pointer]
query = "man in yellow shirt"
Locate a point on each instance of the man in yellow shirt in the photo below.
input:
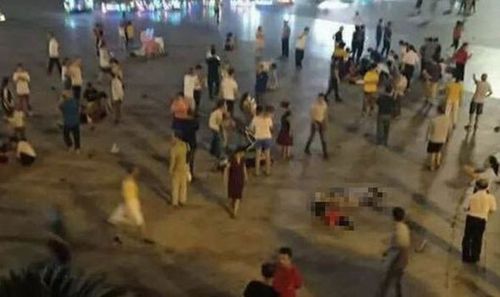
(454, 91)
(370, 88)
(179, 171)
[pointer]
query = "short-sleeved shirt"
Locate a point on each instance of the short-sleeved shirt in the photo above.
(371, 79)
(439, 128)
(215, 120)
(262, 126)
(482, 88)
(229, 88)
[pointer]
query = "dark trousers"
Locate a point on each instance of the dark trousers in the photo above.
(455, 43)
(213, 86)
(285, 47)
(386, 48)
(408, 72)
(77, 92)
(473, 239)
(357, 51)
(68, 133)
(333, 85)
(393, 275)
(229, 105)
(460, 71)
(216, 144)
(317, 126)
(190, 159)
(52, 62)
(197, 98)
(383, 125)
(26, 160)
(378, 40)
(299, 56)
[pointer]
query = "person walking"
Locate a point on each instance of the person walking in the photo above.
(129, 211)
(75, 74)
(287, 278)
(458, 31)
(437, 135)
(461, 57)
(478, 207)
(386, 47)
(235, 178)
(400, 85)
(262, 288)
(285, 136)
(300, 47)
(104, 61)
(259, 42)
(454, 91)
(189, 86)
(370, 88)
(199, 84)
(21, 79)
(285, 40)
(262, 125)
(358, 43)
(215, 122)
(213, 73)
(483, 91)
(378, 33)
(70, 109)
(117, 95)
(179, 170)
(385, 103)
(53, 55)
(333, 83)
(398, 254)
(229, 90)
(261, 79)
(217, 5)
(410, 59)
(432, 76)
(319, 120)
(188, 135)
(129, 34)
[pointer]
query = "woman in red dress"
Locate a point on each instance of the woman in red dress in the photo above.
(235, 176)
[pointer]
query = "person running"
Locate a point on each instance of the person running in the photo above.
(370, 88)
(262, 125)
(483, 91)
(398, 254)
(53, 54)
(287, 278)
(437, 135)
(213, 73)
(387, 39)
(179, 170)
(461, 57)
(21, 79)
(262, 288)
(319, 120)
(379, 33)
(229, 90)
(454, 91)
(285, 136)
(235, 178)
(300, 47)
(458, 31)
(70, 109)
(385, 103)
(478, 206)
(285, 39)
(333, 83)
(75, 74)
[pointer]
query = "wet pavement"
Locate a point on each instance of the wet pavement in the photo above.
(201, 251)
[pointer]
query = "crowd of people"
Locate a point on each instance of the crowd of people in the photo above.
(243, 132)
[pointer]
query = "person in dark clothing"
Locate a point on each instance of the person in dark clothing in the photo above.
(333, 84)
(354, 42)
(285, 39)
(378, 33)
(261, 84)
(235, 177)
(262, 288)
(213, 73)
(385, 103)
(71, 121)
(360, 42)
(338, 35)
(387, 39)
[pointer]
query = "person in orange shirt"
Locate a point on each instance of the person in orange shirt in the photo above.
(180, 111)
(454, 92)
(370, 87)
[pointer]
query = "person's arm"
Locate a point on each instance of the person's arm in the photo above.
(466, 204)
(489, 92)
(475, 78)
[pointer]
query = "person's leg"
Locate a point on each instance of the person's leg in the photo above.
(118, 216)
(335, 85)
(66, 137)
(467, 239)
(321, 130)
(236, 206)
(359, 53)
(175, 189)
(210, 82)
(191, 154)
(479, 111)
(386, 127)
(397, 279)
(58, 64)
(310, 139)
(183, 189)
(50, 66)
(297, 58)
(455, 108)
(380, 130)
(197, 99)
(258, 153)
(472, 111)
(438, 159)
(477, 241)
(267, 155)
(384, 286)
(75, 131)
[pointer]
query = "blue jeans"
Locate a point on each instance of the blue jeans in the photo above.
(383, 124)
(216, 144)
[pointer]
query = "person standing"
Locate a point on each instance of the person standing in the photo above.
(104, 61)
(461, 57)
(235, 177)
(300, 47)
(262, 288)
(262, 125)
(179, 170)
(432, 76)
(217, 5)
(229, 90)
(385, 103)
(287, 278)
(358, 43)
(21, 79)
(261, 79)
(117, 95)
(99, 36)
(259, 42)
(215, 125)
(70, 109)
(387, 39)
(213, 73)
(409, 60)
(189, 85)
(398, 253)
(188, 135)
(400, 84)
(129, 34)
(285, 136)
(378, 33)
(454, 92)
(437, 135)
(75, 73)
(458, 31)
(53, 54)
(483, 91)
(199, 84)
(129, 211)
(478, 206)
(337, 37)
(319, 120)
(333, 83)
(285, 39)
(370, 88)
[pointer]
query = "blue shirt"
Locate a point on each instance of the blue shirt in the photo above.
(71, 112)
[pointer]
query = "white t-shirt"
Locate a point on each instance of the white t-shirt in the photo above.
(22, 80)
(439, 128)
(229, 88)
(104, 58)
(53, 48)
(410, 58)
(262, 125)
(215, 120)
(301, 41)
(75, 73)
(117, 92)
(23, 147)
(189, 85)
(482, 88)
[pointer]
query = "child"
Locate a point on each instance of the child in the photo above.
(235, 177)
(229, 43)
(273, 77)
(285, 138)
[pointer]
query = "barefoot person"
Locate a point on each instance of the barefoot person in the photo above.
(235, 177)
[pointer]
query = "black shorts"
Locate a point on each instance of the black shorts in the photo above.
(434, 147)
(105, 69)
(476, 108)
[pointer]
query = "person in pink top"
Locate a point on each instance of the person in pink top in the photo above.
(287, 278)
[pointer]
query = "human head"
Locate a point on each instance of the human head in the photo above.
(259, 109)
(50, 35)
(285, 22)
(341, 28)
(239, 152)
(465, 45)
(212, 50)
(398, 214)
(220, 104)
(285, 256)
(481, 184)
(493, 163)
(321, 97)
(259, 28)
(267, 270)
(133, 171)
(198, 67)
(190, 70)
(179, 95)
(484, 77)
(89, 85)
(306, 30)
(441, 108)
(389, 24)
(20, 66)
(230, 71)
(380, 21)
(388, 88)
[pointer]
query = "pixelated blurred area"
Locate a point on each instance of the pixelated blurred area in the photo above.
(337, 207)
